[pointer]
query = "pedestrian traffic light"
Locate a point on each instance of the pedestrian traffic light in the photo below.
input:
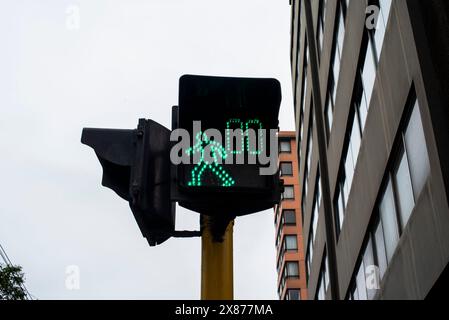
(136, 165)
(229, 165)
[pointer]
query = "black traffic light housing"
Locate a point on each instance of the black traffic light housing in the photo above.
(213, 101)
(136, 165)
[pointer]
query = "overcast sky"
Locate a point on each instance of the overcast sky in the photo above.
(120, 63)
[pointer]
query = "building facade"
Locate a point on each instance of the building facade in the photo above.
(288, 223)
(372, 114)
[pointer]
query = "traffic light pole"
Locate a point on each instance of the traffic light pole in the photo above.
(217, 274)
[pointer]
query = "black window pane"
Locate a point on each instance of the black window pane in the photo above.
(293, 294)
(289, 217)
(417, 151)
(381, 255)
(387, 210)
(371, 280)
(361, 282)
(292, 269)
(286, 169)
(404, 190)
(291, 242)
(285, 146)
(289, 192)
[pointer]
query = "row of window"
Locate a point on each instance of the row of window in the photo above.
(304, 88)
(336, 54)
(403, 184)
(291, 271)
(289, 244)
(363, 90)
(288, 218)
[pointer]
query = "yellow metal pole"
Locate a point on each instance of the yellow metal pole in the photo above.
(217, 274)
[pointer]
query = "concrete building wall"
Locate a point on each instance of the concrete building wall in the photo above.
(422, 252)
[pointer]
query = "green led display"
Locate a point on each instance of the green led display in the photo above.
(259, 127)
(233, 124)
(254, 124)
(204, 143)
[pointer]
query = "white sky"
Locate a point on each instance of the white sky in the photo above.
(123, 63)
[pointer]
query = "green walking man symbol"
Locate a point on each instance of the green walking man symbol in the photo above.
(204, 144)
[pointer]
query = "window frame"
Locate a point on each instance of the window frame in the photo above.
(285, 142)
(286, 249)
(292, 187)
(288, 163)
(287, 295)
(284, 220)
(376, 233)
(331, 80)
(286, 272)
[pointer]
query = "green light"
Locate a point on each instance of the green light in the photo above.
(217, 150)
(258, 124)
(202, 141)
(236, 124)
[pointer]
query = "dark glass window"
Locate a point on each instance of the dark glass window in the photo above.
(291, 269)
(334, 74)
(321, 294)
(286, 169)
(303, 204)
(382, 21)
(285, 146)
(315, 213)
(339, 206)
(404, 181)
(369, 263)
(388, 216)
(309, 257)
(291, 243)
(347, 172)
(289, 217)
(323, 281)
(303, 89)
(307, 169)
(404, 190)
(379, 245)
(321, 23)
(289, 192)
(293, 294)
(416, 148)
